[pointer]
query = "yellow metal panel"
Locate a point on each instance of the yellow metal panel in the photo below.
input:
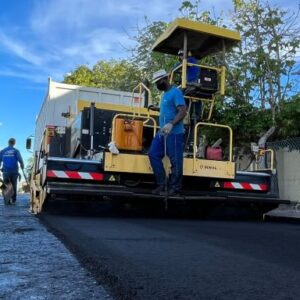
(81, 104)
(206, 28)
(140, 164)
(129, 163)
(208, 168)
(198, 27)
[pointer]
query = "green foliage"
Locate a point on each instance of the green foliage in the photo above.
(288, 119)
(247, 122)
(82, 75)
(191, 11)
(260, 84)
(141, 54)
(261, 69)
(117, 75)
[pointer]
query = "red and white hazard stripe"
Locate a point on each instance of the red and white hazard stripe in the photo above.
(245, 186)
(75, 175)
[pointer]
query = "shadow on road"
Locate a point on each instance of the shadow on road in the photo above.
(150, 208)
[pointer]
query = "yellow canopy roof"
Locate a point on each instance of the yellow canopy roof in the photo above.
(202, 39)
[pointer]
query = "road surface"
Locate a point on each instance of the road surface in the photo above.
(155, 257)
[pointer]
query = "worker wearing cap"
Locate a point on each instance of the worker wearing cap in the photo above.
(9, 159)
(169, 140)
(192, 76)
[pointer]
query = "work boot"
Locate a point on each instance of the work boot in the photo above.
(7, 201)
(170, 192)
(158, 190)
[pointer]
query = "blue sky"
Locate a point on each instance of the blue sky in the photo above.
(48, 38)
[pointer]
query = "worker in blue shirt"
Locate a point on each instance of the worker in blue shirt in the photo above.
(169, 140)
(192, 76)
(9, 159)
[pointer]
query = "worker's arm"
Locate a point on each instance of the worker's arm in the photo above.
(20, 159)
(180, 106)
(153, 107)
(180, 115)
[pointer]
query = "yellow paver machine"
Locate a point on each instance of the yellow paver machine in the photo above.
(103, 150)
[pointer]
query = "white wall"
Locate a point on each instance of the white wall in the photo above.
(288, 169)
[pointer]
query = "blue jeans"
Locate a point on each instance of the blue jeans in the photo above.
(13, 179)
(174, 150)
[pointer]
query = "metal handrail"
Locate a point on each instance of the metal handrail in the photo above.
(211, 125)
(262, 153)
(221, 91)
(141, 86)
(220, 71)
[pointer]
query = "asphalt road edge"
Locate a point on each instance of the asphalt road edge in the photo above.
(99, 271)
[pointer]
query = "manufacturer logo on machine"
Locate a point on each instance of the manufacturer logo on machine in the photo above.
(206, 167)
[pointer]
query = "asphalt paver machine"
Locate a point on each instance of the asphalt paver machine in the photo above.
(103, 150)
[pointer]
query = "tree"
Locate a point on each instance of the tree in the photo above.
(191, 11)
(260, 80)
(117, 75)
(288, 119)
(141, 54)
(266, 58)
(82, 75)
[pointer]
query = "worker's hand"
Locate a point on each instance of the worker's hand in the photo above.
(153, 107)
(167, 128)
(19, 176)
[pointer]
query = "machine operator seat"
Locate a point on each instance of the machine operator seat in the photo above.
(206, 86)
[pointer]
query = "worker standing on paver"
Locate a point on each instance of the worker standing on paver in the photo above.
(170, 138)
(9, 159)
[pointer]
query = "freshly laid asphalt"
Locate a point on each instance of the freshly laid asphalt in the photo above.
(171, 258)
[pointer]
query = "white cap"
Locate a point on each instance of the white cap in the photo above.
(180, 52)
(159, 75)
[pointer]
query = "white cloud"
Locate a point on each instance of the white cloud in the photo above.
(101, 43)
(37, 64)
(65, 33)
(28, 50)
(78, 14)
(19, 49)
(62, 34)
(24, 75)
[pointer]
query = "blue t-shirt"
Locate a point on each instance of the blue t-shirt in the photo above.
(192, 71)
(10, 157)
(168, 108)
